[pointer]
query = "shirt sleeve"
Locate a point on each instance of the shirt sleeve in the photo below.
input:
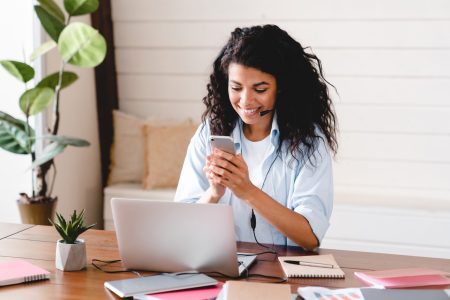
(193, 182)
(313, 191)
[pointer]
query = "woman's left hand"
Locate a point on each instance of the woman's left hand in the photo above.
(231, 171)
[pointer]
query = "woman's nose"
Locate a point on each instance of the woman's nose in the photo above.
(246, 96)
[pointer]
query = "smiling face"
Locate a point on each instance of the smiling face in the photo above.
(251, 91)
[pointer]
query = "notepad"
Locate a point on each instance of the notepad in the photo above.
(254, 290)
(314, 266)
(403, 278)
(18, 271)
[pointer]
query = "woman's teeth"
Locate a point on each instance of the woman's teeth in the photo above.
(249, 111)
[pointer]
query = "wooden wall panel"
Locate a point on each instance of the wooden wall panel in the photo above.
(389, 60)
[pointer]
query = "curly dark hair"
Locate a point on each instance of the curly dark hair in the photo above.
(303, 101)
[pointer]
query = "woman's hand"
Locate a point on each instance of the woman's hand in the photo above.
(216, 190)
(231, 171)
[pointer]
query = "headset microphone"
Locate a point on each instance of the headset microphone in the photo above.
(265, 112)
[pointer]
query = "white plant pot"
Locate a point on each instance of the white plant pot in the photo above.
(70, 257)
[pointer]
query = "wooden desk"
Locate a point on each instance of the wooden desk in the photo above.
(37, 245)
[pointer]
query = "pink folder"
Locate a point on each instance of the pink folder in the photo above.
(18, 271)
(191, 294)
(403, 278)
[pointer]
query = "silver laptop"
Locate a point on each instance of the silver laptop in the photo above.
(176, 237)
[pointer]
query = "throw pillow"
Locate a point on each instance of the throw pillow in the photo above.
(127, 151)
(165, 149)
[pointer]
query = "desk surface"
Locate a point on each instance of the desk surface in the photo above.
(37, 245)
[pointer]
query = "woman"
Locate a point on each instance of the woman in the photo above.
(270, 96)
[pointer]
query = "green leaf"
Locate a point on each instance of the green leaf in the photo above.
(18, 69)
(53, 9)
(71, 229)
(62, 221)
(80, 7)
(42, 49)
(52, 25)
(50, 151)
(82, 45)
(13, 135)
(65, 140)
(51, 80)
(36, 100)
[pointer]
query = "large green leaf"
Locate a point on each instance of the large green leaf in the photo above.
(36, 100)
(80, 7)
(50, 151)
(52, 80)
(13, 135)
(82, 45)
(18, 69)
(52, 8)
(52, 25)
(42, 49)
(65, 140)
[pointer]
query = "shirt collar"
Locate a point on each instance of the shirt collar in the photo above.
(237, 133)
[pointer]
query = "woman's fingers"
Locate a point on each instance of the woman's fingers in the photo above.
(233, 159)
(225, 164)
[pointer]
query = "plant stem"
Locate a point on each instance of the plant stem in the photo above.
(55, 125)
(54, 178)
(44, 168)
(29, 145)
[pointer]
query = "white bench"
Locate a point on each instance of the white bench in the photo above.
(133, 191)
(370, 222)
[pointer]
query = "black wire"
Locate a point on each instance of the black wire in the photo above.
(280, 279)
(253, 254)
(253, 217)
(217, 274)
(253, 225)
(108, 262)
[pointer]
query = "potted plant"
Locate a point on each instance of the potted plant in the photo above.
(78, 44)
(70, 251)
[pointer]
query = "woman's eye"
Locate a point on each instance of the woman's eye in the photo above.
(260, 91)
(235, 88)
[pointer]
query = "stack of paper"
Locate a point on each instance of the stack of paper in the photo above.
(403, 278)
(321, 293)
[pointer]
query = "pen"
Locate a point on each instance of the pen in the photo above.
(309, 264)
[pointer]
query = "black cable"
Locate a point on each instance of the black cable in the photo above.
(280, 279)
(253, 225)
(253, 254)
(108, 262)
(253, 216)
(217, 274)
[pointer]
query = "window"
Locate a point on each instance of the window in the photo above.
(16, 41)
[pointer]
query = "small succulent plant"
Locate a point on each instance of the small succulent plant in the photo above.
(71, 229)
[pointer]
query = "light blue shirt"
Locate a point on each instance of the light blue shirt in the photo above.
(303, 187)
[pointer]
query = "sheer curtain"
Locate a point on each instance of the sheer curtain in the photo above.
(16, 43)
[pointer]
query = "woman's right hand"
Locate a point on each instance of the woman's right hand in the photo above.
(216, 189)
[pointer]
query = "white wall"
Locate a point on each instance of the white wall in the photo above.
(390, 62)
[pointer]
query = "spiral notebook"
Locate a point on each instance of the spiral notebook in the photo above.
(314, 266)
(18, 271)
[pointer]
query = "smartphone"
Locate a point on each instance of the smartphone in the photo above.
(222, 142)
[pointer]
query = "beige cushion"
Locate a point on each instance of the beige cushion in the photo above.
(165, 149)
(127, 151)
